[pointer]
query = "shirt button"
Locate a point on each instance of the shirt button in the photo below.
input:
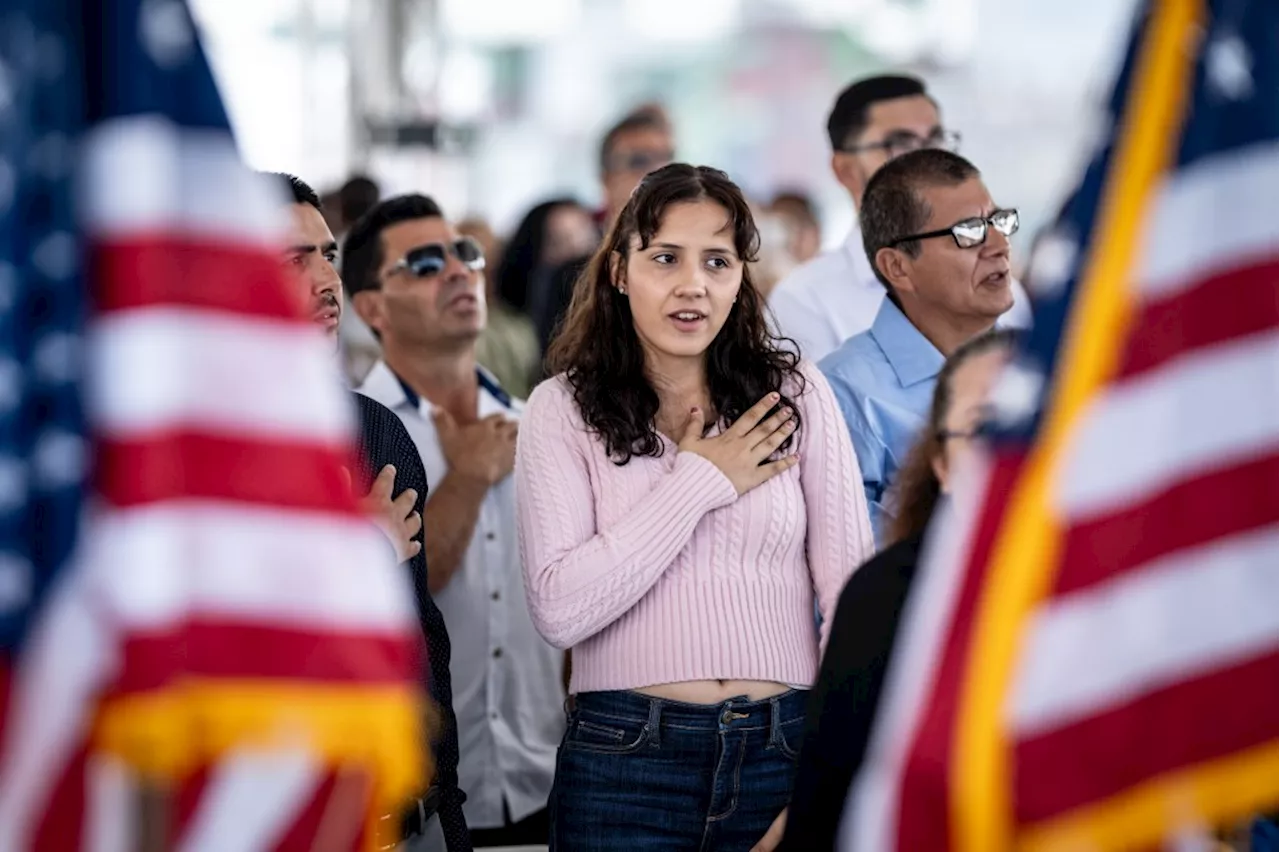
(495, 595)
(490, 536)
(497, 652)
(493, 715)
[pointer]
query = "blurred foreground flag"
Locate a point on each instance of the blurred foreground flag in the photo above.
(193, 615)
(1089, 661)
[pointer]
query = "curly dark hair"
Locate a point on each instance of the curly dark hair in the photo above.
(600, 353)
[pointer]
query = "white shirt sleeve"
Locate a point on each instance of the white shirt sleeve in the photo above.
(795, 319)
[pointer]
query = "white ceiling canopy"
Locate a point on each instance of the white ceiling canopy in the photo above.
(508, 22)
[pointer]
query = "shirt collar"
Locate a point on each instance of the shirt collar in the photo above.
(381, 385)
(913, 358)
(384, 385)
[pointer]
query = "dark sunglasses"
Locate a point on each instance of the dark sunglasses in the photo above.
(970, 232)
(431, 259)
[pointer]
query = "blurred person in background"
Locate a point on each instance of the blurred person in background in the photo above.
(358, 196)
(417, 283)
(551, 235)
(343, 208)
(638, 144)
(940, 248)
(796, 209)
(508, 346)
(844, 699)
(836, 295)
(774, 259)
(686, 494)
(331, 205)
(654, 110)
(309, 259)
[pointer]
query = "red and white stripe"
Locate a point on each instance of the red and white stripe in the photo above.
(223, 521)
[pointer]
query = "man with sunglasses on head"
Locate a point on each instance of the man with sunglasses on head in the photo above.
(309, 261)
(826, 301)
(418, 285)
(939, 247)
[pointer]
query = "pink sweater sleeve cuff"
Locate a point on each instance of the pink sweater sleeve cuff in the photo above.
(709, 486)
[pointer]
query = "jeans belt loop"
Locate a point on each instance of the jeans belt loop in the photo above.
(655, 722)
(775, 720)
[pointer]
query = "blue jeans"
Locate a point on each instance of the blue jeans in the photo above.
(636, 773)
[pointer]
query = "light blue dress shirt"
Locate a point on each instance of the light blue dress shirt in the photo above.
(883, 379)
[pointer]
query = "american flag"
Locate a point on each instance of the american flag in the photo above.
(192, 611)
(1089, 659)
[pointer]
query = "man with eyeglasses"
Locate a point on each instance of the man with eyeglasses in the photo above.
(939, 248)
(638, 144)
(836, 295)
(418, 286)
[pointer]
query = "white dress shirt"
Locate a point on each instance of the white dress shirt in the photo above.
(834, 296)
(507, 682)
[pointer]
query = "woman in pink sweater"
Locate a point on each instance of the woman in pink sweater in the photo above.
(686, 490)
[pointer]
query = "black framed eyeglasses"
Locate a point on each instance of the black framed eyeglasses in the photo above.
(429, 260)
(970, 232)
(901, 142)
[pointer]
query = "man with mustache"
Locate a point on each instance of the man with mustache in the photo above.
(939, 246)
(418, 285)
(309, 261)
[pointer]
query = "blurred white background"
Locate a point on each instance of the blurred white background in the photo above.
(526, 87)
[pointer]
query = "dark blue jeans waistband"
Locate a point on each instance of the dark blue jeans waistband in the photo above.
(736, 713)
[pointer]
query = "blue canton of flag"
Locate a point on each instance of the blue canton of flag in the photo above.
(43, 446)
(1230, 107)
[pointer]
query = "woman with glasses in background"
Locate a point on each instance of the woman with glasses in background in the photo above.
(844, 700)
(686, 493)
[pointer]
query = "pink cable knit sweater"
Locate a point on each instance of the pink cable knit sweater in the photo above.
(658, 572)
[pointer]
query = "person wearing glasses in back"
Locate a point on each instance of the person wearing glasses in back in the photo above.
(826, 301)
(418, 286)
(939, 246)
(640, 143)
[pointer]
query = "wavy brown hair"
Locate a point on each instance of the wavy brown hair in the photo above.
(600, 353)
(916, 491)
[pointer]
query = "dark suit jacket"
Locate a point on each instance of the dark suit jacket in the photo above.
(385, 441)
